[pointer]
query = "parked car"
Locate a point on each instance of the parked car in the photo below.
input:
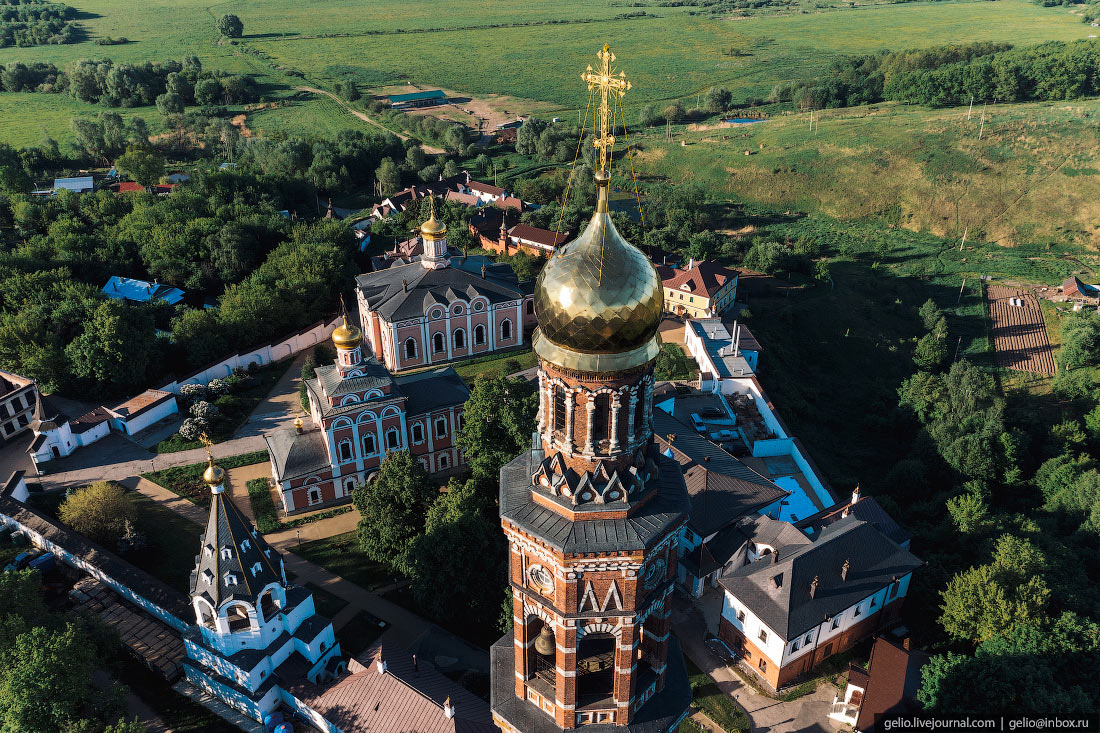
(721, 650)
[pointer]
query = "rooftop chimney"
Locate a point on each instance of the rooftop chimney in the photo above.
(844, 570)
(405, 285)
(483, 272)
(380, 664)
(905, 643)
(813, 586)
(416, 665)
(775, 557)
(855, 494)
(448, 708)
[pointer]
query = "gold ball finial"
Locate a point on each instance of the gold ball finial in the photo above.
(214, 475)
(346, 335)
(432, 228)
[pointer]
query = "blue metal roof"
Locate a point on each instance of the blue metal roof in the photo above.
(417, 96)
(83, 183)
(141, 290)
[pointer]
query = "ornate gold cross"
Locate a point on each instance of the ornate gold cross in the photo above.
(608, 82)
(206, 443)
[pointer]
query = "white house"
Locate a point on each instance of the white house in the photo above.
(797, 605)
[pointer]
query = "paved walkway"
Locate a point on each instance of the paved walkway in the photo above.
(154, 462)
(279, 408)
(287, 539)
(236, 483)
(807, 713)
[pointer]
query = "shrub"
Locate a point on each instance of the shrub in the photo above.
(192, 428)
(100, 511)
(204, 410)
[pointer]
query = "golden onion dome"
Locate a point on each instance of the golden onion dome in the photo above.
(598, 300)
(433, 228)
(213, 475)
(347, 335)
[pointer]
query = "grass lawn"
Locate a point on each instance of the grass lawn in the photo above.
(340, 554)
(497, 366)
(173, 542)
(259, 496)
(719, 706)
(235, 409)
(327, 604)
(674, 363)
(186, 481)
(359, 633)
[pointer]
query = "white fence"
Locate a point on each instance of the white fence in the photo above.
(261, 355)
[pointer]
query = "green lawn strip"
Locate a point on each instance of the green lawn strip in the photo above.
(340, 554)
(172, 542)
(497, 366)
(718, 706)
(186, 481)
(359, 633)
(674, 363)
(327, 604)
(234, 407)
(327, 514)
(259, 496)
(689, 726)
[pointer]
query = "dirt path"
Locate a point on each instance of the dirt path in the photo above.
(313, 90)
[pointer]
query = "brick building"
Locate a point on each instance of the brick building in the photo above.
(798, 604)
(593, 512)
(436, 308)
(360, 412)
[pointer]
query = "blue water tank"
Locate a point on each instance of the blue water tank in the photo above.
(284, 728)
(272, 720)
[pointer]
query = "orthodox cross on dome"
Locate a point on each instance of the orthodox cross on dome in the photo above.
(206, 443)
(608, 82)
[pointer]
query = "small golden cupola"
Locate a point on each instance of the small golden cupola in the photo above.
(348, 340)
(433, 234)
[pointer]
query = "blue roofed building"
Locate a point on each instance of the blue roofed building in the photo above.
(82, 184)
(141, 291)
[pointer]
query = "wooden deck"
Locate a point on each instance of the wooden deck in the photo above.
(1019, 333)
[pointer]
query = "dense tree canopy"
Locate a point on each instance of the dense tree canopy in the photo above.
(393, 509)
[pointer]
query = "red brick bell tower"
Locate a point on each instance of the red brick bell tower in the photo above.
(593, 511)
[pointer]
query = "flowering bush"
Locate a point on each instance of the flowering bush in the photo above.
(218, 386)
(192, 428)
(204, 410)
(193, 391)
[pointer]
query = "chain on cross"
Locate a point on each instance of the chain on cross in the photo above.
(608, 82)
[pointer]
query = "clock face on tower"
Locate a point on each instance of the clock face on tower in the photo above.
(654, 574)
(541, 578)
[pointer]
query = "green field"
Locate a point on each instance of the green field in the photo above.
(1033, 177)
(537, 52)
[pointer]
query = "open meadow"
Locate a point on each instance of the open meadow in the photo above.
(530, 51)
(1033, 177)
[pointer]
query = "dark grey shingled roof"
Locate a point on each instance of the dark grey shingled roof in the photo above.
(866, 509)
(297, 454)
(432, 390)
(874, 562)
(660, 713)
(641, 530)
(385, 291)
(775, 533)
(722, 488)
(374, 376)
(250, 559)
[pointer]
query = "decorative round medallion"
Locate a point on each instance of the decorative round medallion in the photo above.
(654, 574)
(541, 578)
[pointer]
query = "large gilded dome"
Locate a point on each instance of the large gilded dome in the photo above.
(598, 300)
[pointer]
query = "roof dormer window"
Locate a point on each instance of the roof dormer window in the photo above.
(245, 544)
(227, 553)
(208, 576)
(777, 580)
(255, 569)
(208, 550)
(230, 579)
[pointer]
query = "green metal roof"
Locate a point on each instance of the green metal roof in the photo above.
(417, 96)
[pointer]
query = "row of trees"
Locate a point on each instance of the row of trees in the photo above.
(170, 84)
(36, 23)
(952, 75)
(449, 544)
(1004, 506)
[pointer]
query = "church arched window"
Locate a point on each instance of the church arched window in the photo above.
(460, 339)
(559, 409)
(437, 343)
(479, 335)
(345, 450)
(410, 348)
(369, 445)
(506, 330)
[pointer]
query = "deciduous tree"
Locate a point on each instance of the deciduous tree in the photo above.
(99, 511)
(393, 508)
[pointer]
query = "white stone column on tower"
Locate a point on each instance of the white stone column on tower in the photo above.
(643, 430)
(631, 437)
(616, 405)
(589, 443)
(570, 402)
(542, 402)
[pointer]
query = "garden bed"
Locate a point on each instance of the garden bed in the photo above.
(186, 481)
